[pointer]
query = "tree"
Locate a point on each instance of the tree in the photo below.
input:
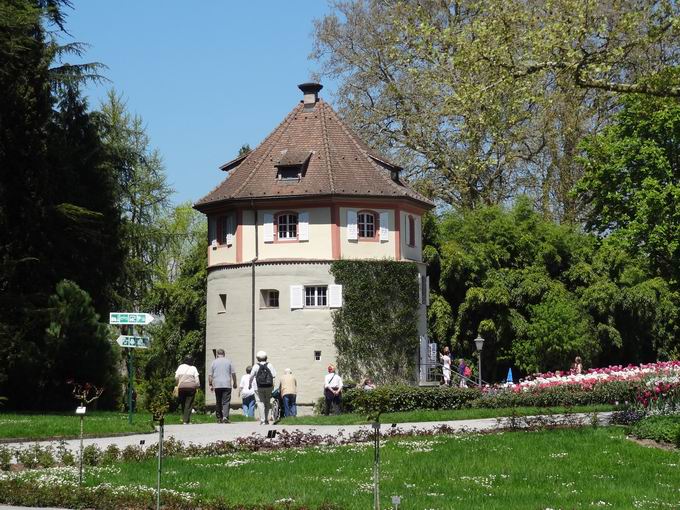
(77, 349)
(631, 185)
(483, 101)
(542, 293)
(57, 214)
(142, 193)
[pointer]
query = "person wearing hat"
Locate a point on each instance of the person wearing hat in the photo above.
(332, 391)
(263, 374)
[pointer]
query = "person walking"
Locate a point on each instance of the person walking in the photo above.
(288, 392)
(187, 381)
(332, 391)
(219, 379)
(247, 393)
(263, 374)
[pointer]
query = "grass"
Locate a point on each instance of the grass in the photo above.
(564, 468)
(16, 426)
(440, 415)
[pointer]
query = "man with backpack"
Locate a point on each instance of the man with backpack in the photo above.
(263, 373)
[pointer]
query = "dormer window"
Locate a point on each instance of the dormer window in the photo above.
(292, 164)
(289, 173)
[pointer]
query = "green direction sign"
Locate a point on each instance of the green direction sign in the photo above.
(135, 342)
(122, 318)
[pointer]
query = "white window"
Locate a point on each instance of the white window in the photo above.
(316, 296)
(366, 225)
(270, 298)
(222, 303)
(286, 227)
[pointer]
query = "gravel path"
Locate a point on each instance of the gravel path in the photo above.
(206, 433)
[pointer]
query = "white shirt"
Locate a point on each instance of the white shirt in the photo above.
(245, 392)
(334, 380)
(184, 374)
(446, 361)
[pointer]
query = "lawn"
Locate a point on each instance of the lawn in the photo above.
(15, 426)
(565, 468)
(443, 415)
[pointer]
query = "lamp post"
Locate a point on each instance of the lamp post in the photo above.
(479, 343)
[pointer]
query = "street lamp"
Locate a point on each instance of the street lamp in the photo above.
(479, 342)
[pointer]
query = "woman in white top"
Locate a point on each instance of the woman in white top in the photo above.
(445, 358)
(186, 378)
(247, 394)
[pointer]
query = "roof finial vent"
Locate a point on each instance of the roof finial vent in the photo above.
(311, 93)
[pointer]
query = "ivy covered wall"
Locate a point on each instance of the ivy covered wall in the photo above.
(376, 330)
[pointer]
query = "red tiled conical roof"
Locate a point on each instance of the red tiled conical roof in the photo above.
(338, 163)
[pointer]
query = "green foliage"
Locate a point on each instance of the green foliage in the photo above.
(542, 293)
(665, 429)
(376, 329)
(408, 398)
(142, 194)
(77, 349)
(58, 214)
(631, 183)
(394, 398)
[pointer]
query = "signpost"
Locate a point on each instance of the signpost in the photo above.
(135, 319)
(131, 342)
(136, 342)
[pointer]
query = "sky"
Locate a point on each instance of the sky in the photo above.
(206, 77)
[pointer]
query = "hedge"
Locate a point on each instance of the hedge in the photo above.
(410, 398)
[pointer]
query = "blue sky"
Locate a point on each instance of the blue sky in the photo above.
(206, 77)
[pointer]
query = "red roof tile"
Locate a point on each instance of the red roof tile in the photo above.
(340, 163)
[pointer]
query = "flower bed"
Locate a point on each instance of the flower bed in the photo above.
(632, 384)
(669, 370)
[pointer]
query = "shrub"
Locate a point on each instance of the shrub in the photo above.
(664, 429)
(111, 454)
(5, 458)
(65, 455)
(627, 417)
(35, 456)
(407, 398)
(92, 455)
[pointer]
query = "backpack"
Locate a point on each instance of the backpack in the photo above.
(467, 372)
(264, 377)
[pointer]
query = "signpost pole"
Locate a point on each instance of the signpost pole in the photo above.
(130, 376)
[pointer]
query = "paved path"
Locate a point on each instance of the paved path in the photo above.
(206, 433)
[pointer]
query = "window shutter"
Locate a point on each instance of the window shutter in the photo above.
(303, 226)
(420, 288)
(427, 290)
(230, 230)
(268, 228)
(296, 296)
(212, 231)
(352, 231)
(384, 227)
(335, 296)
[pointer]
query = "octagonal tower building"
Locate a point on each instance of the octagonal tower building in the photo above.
(311, 193)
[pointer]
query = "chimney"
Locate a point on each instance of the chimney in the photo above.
(311, 93)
